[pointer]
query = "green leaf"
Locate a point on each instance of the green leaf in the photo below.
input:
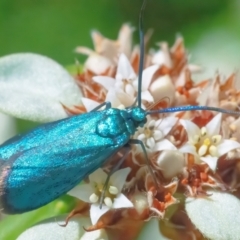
(52, 229)
(11, 226)
(34, 87)
(151, 230)
(216, 216)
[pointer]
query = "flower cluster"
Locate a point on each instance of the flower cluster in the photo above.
(188, 150)
(194, 155)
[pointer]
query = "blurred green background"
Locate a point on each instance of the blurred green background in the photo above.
(54, 28)
(211, 28)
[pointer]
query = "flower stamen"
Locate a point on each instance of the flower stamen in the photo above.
(108, 202)
(213, 151)
(207, 142)
(93, 198)
(196, 139)
(216, 139)
(203, 131)
(113, 190)
(202, 150)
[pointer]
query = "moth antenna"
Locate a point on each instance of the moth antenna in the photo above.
(192, 108)
(141, 59)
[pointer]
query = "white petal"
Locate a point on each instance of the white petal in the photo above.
(140, 202)
(213, 127)
(125, 99)
(150, 142)
(97, 64)
(161, 88)
(84, 50)
(89, 104)
(181, 79)
(151, 123)
(135, 84)
(227, 145)
(166, 124)
(171, 163)
(124, 70)
(151, 230)
(96, 212)
(129, 90)
(163, 56)
(202, 99)
(119, 177)
(216, 216)
(188, 148)
(194, 68)
(147, 76)
(157, 134)
(82, 192)
(211, 162)
(125, 39)
(191, 128)
(33, 87)
(119, 84)
(112, 98)
(164, 145)
(141, 136)
(95, 235)
(147, 96)
(106, 82)
(98, 176)
(158, 58)
(97, 39)
(122, 202)
(50, 229)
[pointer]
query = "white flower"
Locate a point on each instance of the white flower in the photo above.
(126, 81)
(154, 132)
(107, 51)
(206, 143)
(113, 197)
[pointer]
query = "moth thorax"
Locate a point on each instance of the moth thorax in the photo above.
(138, 115)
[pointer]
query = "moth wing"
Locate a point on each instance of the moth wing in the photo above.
(37, 176)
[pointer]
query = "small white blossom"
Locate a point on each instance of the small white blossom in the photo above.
(206, 143)
(106, 51)
(113, 197)
(154, 132)
(125, 82)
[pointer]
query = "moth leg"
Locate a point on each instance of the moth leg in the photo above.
(136, 141)
(116, 167)
(107, 104)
